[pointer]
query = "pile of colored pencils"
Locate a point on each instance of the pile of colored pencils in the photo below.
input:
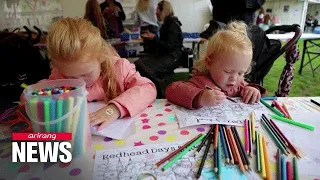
(286, 169)
(278, 137)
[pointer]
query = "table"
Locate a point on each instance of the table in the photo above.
(156, 124)
(307, 38)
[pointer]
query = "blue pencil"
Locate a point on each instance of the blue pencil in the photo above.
(269, 98)
(224, 146)
(284, 167)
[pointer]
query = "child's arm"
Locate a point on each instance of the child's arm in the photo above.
(139, 92)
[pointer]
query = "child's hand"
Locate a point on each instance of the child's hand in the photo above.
(212, 97)
(250, 95)
(104, 116)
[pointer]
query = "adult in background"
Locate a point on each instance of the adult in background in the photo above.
(114, 14)
(168, 46)
(145, 17)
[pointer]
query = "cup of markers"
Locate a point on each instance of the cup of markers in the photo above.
(60, 106)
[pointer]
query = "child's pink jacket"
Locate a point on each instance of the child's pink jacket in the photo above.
(136, 92)
(187, 94)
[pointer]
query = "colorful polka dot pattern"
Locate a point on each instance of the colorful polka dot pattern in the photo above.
(170, 138)
(75, 172)
(98, 147)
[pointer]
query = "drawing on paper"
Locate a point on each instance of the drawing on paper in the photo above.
(229, 113)
(129, 163)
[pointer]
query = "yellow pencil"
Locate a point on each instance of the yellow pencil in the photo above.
(266, 160)
(263, 167)
(253, 127)
(285, 107)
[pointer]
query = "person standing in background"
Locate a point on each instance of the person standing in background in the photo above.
(145, 17)
(94, 15)
(260, 17)
(114, 14)
(266, 22)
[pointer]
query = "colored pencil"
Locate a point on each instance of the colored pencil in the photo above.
(250, 138)
(258, 164)
(59, 111)
(228, 145)
(279, 107)
(296, 123)
(204, 140)
(215, 160)
(216, 132)
(271, 108)
(283, 167)
(279, 164)
(295, 169)
(182, 153)
(263, 165)
(269, 98)
(277, 134)
(241, 166)
(252, 119)
(204, 156)
(285, 107)
(289, 171)
(46, 116)
(315, 102)
(293, 149)
(219, 157)
(230, 99)
(53, 115)
(275, 139)
(266, 159)
(177, 151)
(246, 136)
(242, 153)
(232, 146)
(223, 144)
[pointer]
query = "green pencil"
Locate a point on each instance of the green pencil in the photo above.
(182, 153)
(274, 137)
(295, 169)
(271, 108)
(258, 153)
(290, 121)
(46, 109)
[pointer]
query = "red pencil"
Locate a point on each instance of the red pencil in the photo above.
(176, 151)
(289, 171)
(279, 107)
(293, 149)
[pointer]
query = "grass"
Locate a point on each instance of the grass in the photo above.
(302, 85)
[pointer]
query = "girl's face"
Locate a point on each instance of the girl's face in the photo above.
(89, 71)
(227, 70)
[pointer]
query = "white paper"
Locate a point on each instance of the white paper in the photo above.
(134, 162)
(305, 140)
(118, 129)
(228, 113)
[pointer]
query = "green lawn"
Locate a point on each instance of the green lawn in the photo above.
(303, 85)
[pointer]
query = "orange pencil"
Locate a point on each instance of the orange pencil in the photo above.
(233, 151)
(236, 151)
(176, 151)
(266, 160)
(216, 132)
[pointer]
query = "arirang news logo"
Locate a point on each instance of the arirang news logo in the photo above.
(41, 147)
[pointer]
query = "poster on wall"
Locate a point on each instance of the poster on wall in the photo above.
(286, 8)
(269, 10)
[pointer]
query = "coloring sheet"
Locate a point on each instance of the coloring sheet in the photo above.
(137, 163)
(118, 129)
(228, 113)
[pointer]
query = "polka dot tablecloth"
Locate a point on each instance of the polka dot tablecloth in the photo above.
(156, 124)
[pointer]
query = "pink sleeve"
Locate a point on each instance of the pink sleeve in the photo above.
(139, 92)
(184, 94)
